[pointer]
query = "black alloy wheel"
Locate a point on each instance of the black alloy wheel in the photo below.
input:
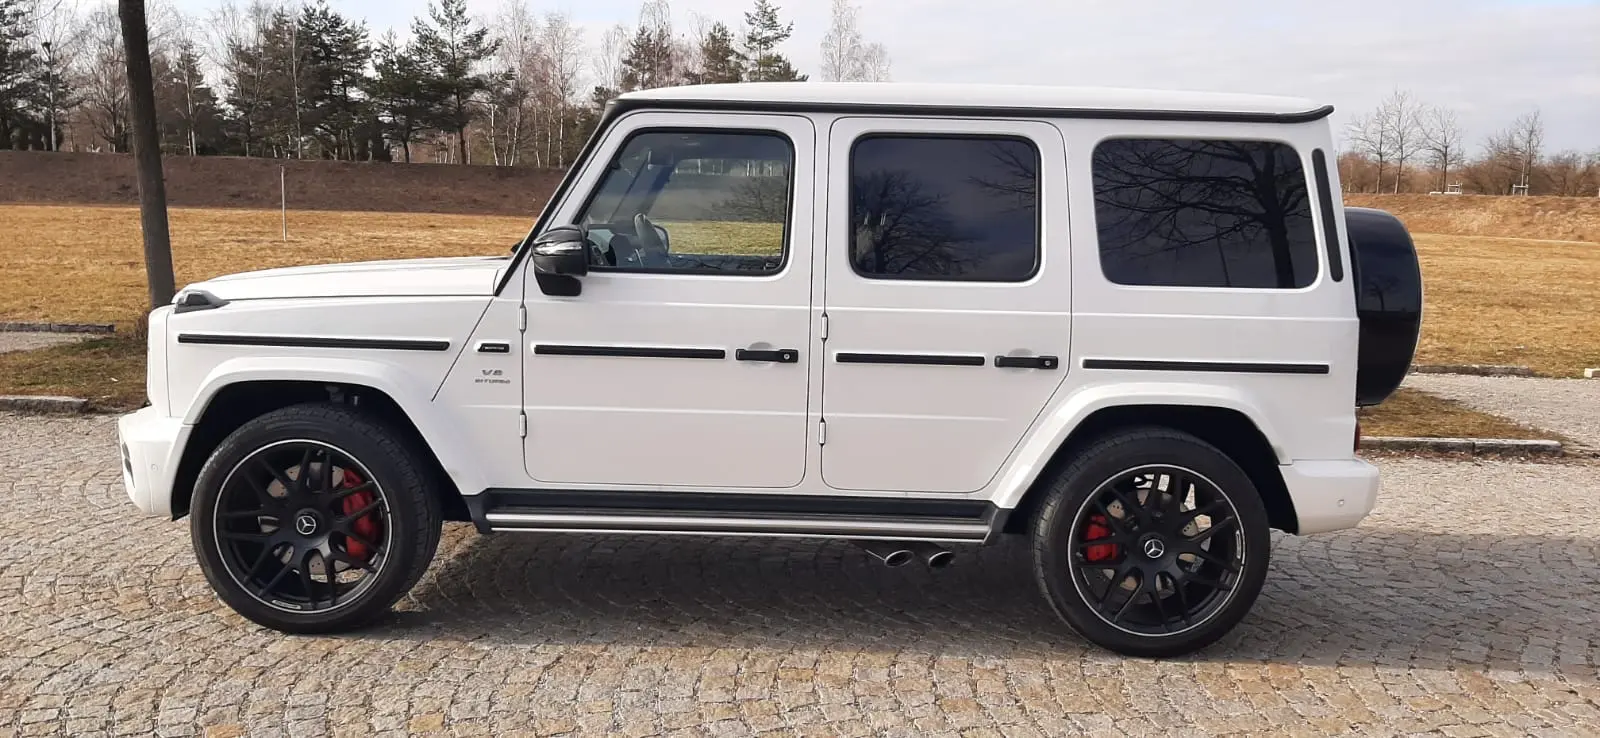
(1156, 550)
(315, 518)
(301, 525)
(1151, 542)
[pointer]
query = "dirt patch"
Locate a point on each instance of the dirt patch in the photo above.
(239, 182)
(1415, 414)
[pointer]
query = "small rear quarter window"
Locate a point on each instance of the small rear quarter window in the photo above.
(1203, 213)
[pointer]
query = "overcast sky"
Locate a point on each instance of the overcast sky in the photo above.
(1489, 59)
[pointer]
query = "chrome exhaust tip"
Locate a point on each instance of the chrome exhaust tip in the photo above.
(891, 554)
(935, 557)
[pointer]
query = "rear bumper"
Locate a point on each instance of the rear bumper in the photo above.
(1331, 495)
(151, 444)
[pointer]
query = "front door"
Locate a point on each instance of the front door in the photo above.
(947, 294)
(683, 360)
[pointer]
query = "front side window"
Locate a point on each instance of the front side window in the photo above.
(693, 202)
(944, 208)
(1203, 213)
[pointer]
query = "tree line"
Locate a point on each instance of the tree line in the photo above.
(1406, 145)
(273, 79)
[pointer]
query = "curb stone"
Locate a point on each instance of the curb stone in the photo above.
(104, 328)
(1474, 446)
(43, 404)
(1591, 373)
(1481, 370)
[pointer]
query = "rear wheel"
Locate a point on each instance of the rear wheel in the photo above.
(1151, 543)
(314, 518)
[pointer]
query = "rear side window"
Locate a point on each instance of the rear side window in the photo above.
(953, 208)
(1203, 213)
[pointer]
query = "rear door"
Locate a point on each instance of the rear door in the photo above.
(947, 296)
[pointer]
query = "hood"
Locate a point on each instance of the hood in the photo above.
(475, 275)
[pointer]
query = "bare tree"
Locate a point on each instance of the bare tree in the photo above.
(105, 80)
(1527, 142)
(1441, 142)
(561, 42)
(845, 56)
(608, 62)
(1369, 137)
(1402, 115)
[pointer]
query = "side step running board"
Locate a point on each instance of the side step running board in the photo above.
(866, 518)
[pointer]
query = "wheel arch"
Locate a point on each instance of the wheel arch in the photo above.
(227, 400)
(1228, 427)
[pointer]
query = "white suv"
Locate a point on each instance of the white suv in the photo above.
(1124, 324)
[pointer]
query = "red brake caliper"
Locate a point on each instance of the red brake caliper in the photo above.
(365, 526)
(1097, 529)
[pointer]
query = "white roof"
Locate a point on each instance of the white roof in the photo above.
(977, 95)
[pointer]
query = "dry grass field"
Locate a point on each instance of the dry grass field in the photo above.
(86, 264)
(1549, 218)
(1490, 299)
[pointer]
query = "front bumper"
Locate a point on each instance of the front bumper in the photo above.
(151, 445)
(1332, 494)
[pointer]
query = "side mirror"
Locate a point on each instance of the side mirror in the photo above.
(561, 255)
(563, 250)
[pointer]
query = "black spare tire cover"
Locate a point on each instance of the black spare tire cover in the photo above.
(1388, 284)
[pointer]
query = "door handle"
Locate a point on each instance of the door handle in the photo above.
(777, 356)
(1027, 362)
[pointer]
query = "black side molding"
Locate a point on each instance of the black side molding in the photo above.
(381, 344)
(1243, 367)
(917, 359)
(630, 352)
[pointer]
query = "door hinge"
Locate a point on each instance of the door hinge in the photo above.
(524, 417)
(522, 318)
(824, 326)
(822, 432)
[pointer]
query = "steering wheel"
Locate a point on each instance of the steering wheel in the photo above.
(652, 251)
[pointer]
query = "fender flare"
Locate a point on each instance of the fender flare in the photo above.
(1051, 431)
(408, 391)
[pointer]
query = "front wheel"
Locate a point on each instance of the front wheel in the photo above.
(314, 519)
(1151, 543)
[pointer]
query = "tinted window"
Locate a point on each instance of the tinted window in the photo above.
(1195, 213)
(694, 201)
(947, 208)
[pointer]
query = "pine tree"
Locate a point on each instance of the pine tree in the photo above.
(449, 48)
(401, 94)
(759, 55)
(22, 84)
(186, 106)
(649, 61)
(719, 59)
(334, 55)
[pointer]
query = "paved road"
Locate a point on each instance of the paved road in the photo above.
(1567, 406)
(1466, 606)
(12, 341)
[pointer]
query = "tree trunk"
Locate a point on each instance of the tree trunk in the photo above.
(147, 154)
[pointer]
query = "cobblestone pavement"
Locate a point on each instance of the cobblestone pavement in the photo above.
(1468, 605)
(10, 341)
(1567, 406)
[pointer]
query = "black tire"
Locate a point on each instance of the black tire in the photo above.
(396, 488)
(1080, 541)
